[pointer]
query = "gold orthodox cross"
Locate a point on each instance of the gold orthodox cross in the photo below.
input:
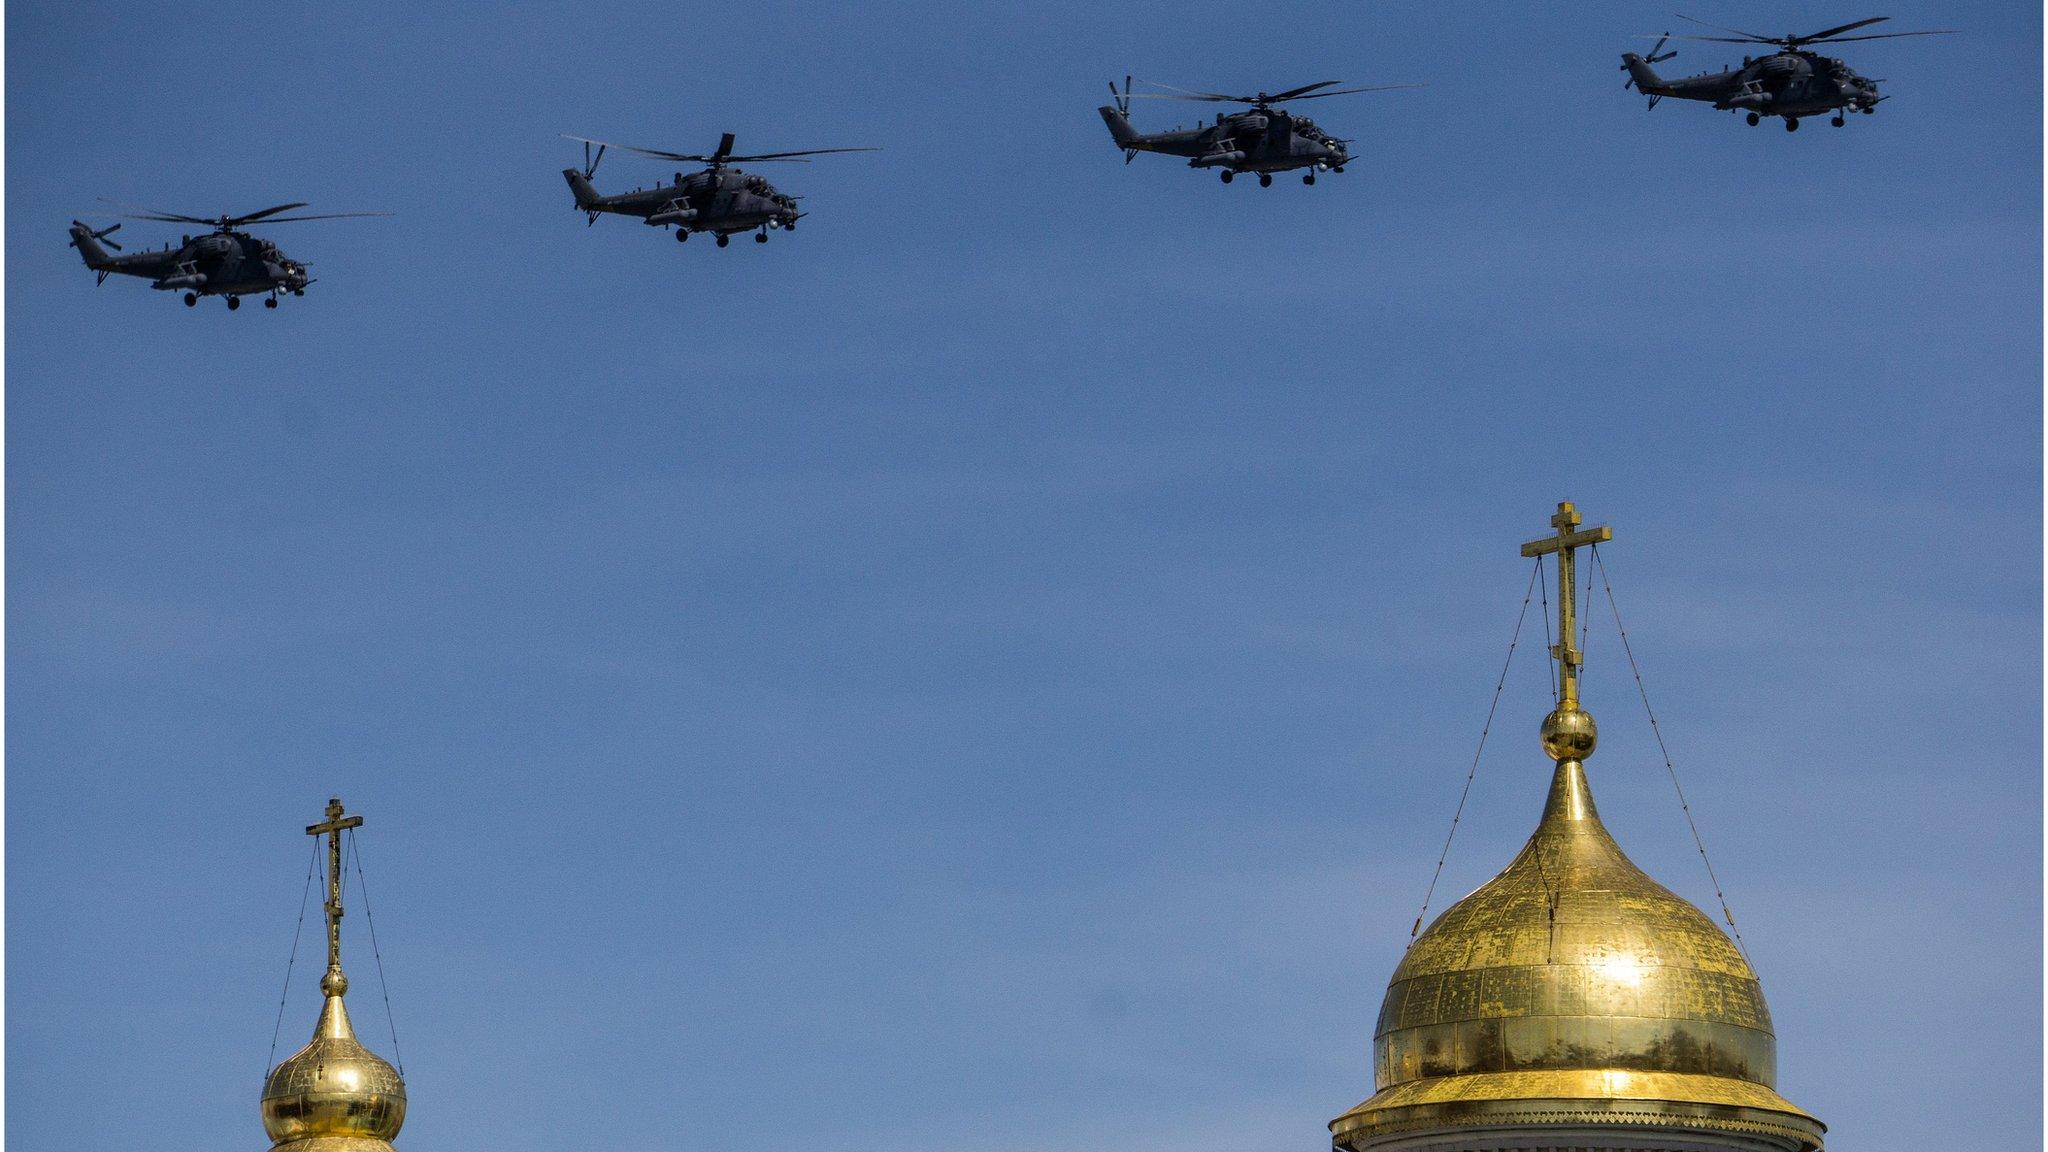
(336, 824)
(1567, 540)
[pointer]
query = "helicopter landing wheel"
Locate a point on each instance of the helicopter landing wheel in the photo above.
(191, 298)
(682, 234)
(298, 291)
(723, 239)
(1755, 119)
(1265, 179)
(1838, 121)
(270, 303)
(234, 302)
(1308, 178)
(1791, 123)
(1228, 175)
(1870, 109)
(761, 237)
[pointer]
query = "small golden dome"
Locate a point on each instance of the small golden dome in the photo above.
(333, 1095)
(1572, 988)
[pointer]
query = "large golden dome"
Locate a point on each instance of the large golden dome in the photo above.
(333, 1095)
(1572, 994)
(1573, 985)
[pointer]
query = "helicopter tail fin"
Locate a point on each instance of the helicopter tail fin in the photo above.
(586, 194)
(1127, 138)
(1643, 76)
(87, 242)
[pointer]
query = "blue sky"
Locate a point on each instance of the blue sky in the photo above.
(996, 664)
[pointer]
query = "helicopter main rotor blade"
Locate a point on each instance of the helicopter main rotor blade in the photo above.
(1291, 93)
(679, 157)
(266, 212)
(789, 155)
(1204, 95)
(723, 156)
(322, 216)
(1721, 39)
(1837, 31)
(1737, 31)
(1891, 36)
(1349, 91)
(686, 157)
(158, 214)
(1307, 92)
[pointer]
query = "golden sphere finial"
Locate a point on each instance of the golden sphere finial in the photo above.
(1569, 733)
(335, 983)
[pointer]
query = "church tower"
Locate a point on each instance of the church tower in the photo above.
(1571, 1002)
(333, 1095)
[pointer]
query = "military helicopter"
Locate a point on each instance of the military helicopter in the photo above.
(225, 262)
(1790, 82)
(720, 200)
(1264, 139)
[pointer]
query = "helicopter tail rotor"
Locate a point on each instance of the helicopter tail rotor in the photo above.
(580, 187)
(1122, 99)
(80, 233)
(1644, 78)
(87, 242)
(1650, 57)
(1122, 102)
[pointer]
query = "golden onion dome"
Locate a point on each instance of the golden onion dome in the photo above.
(1574, 989)
(333, 1095)
(1572, 1001)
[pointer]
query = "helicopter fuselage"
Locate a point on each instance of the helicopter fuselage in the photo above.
(1790, 84)
(223, 263)
(719, 200)
(1259, 140)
